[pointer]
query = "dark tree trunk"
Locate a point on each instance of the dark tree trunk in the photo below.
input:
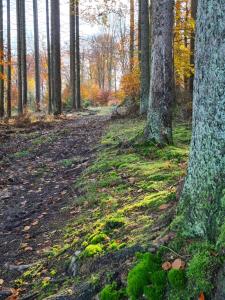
(73, 54)
(23, 52)
(49, 59)
(9, 60)
(56, 57)
(139, 31)
(131, 35)
(78, 96)
(145, 56)
(2, 110)
(203, 197)
(19, 57)
(194, 5)
(37, 58)
(159, 125)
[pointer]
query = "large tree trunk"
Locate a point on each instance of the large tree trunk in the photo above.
(159, 125)
(145, 56)
(23, 52)
(1, 63)
(9, 61)
(19, 58)
(131, 35)
(203, 197)
(49, 59)
(72, 54)
(78, 96)
(194, 5)
(56, 57)
(36, 51)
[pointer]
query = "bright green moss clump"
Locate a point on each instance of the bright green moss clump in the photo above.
(98, 238)
(92, 250)
(176, 279)
(109, 292)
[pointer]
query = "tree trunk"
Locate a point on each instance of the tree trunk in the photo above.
(159, 125)
(56, 57)
(72, 54)
(49, 60)
(36, 51)
(131, 35)
(145, 56)
(23, 52)
(9, 60)
(194, 4)
(1, 63)
(19, 57)
(203, 196)
(139, 30)
(78, 97)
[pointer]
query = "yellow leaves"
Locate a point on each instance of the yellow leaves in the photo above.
(130, 83)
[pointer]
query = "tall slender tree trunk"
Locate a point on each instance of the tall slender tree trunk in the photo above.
(56, 57)
(203, 198)
(145, 56)
(78, 96)
(139, 31)
(9, 60)
(1, 63)
(159, 123)
(194, 5)
(132, 35)
(19, 57)
(49, 59)
(23, 53)
(37, 57)
(73, 53)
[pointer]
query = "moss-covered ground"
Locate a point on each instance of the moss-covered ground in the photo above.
(127, 198)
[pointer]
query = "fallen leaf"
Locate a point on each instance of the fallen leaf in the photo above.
(26, 228)
(34, 223)
(166, 266)
(164, 206)
(201, 296)
(1, 281)
(28, 249)
(178, 264)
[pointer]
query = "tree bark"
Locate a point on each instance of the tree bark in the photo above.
(23, 52)
(203, 197)
(78, 95)
(9, 60)
(145, 56)
(37, 58)
(56, 57)
(159, 123)
(72, 53)
(131, 35)
(2, 110)
(49, 59)
(19, 58)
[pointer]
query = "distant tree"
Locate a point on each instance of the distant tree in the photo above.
(145, 56)
(132, 33)
(73, 54)
(202, 200)
(9, 62)
(77, 13)
(23, 51)
(19, 58)
(49, 59)
(1, 63)
(56, 57)
(36, 51)
(159, 123)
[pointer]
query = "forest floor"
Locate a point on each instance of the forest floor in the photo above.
(79, 197)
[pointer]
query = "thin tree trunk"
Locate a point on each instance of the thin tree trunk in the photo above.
(194, 4)
(23, 53)
(159, 123)
(145, 56)
(56, 57)
(19, 58)
(37, 58)
(78, 96)
(131, 35)
(72, 54)
(139, 31)
(49, 59)
(9, 60)
(2, 110)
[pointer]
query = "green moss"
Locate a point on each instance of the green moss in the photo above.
(113, 223)
(109, 292)
(21, 154)
(101, 237)
(154, 292)
(176, 279)
(221, 239)
(92, 250)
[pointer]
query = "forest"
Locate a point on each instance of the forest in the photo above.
(112, 150)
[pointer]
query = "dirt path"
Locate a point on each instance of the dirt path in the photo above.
(38, 168)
